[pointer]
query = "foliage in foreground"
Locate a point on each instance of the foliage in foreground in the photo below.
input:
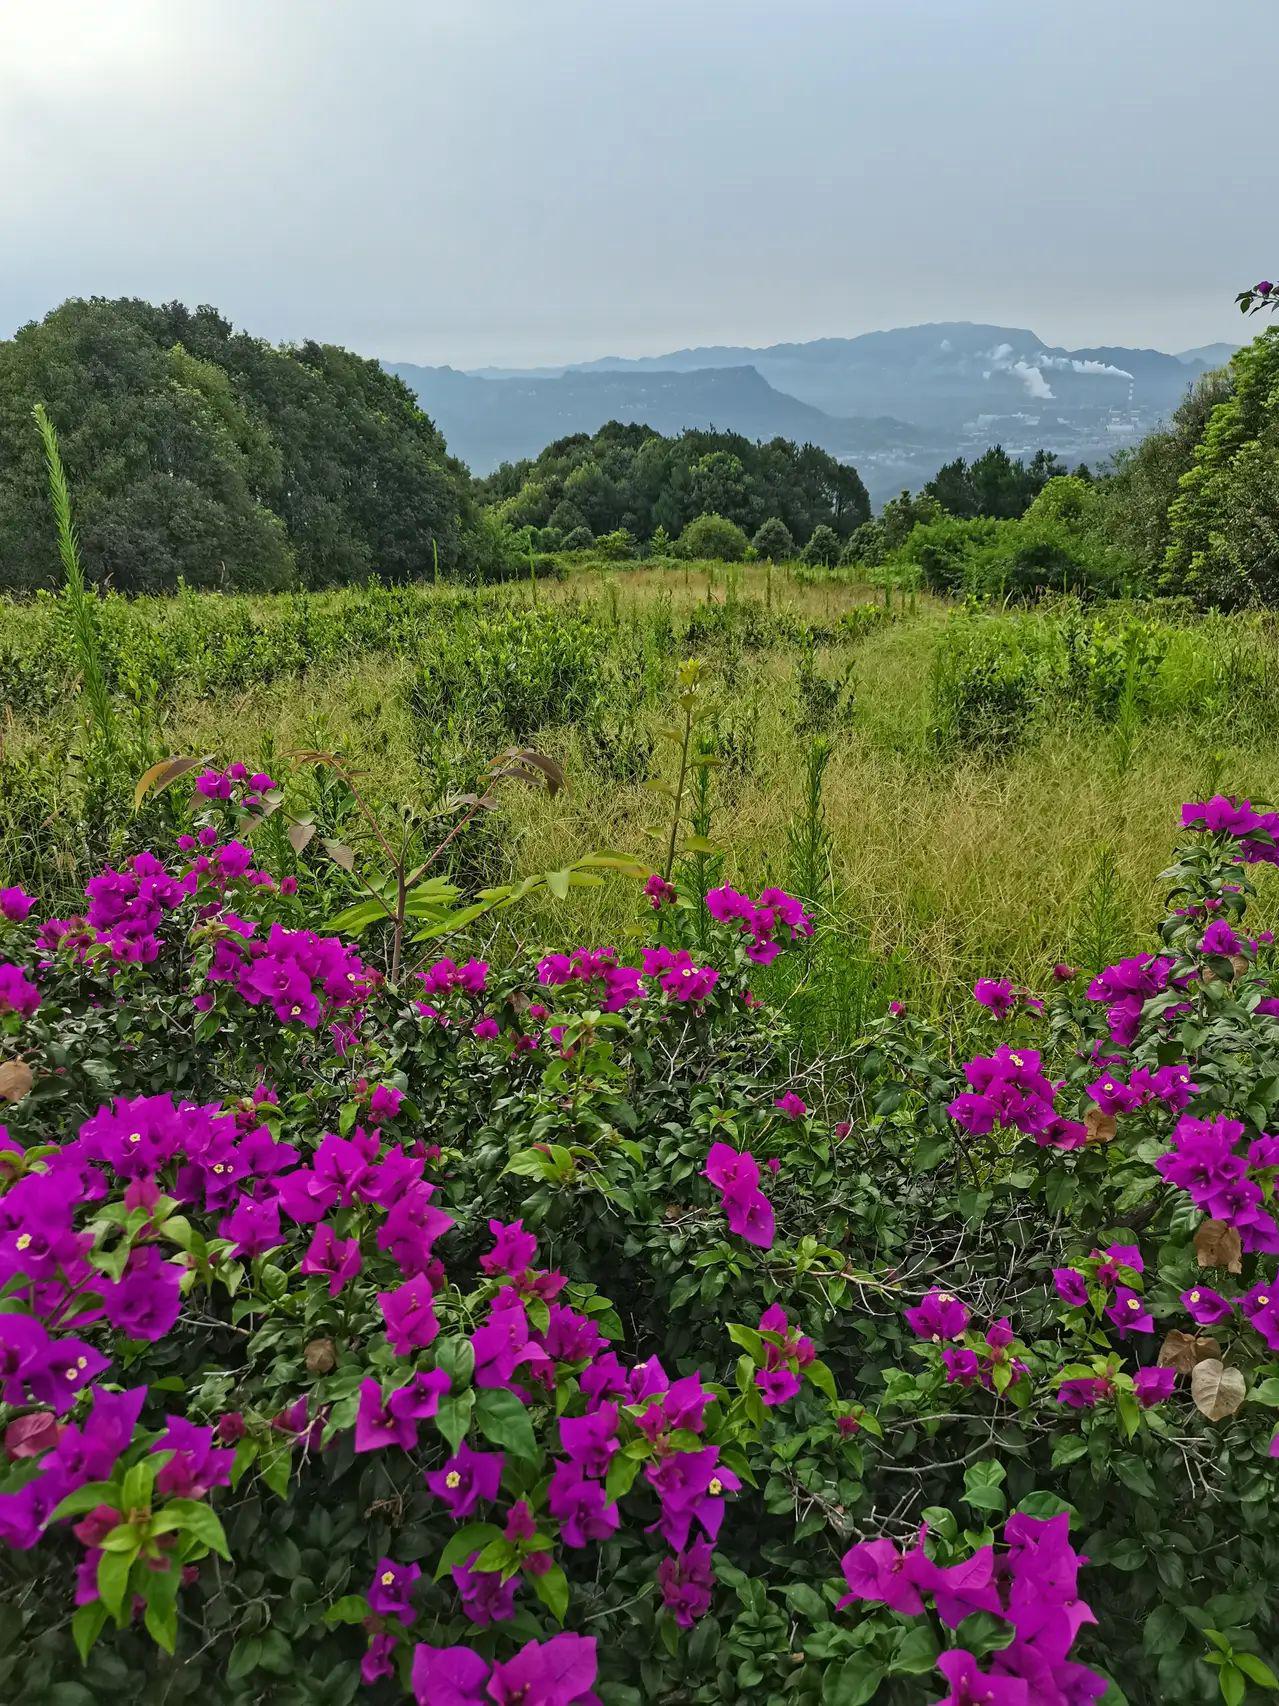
(311, 1368)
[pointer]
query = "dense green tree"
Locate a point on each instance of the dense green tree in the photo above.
(994, 484)
(713, 536)
(1139, 494)
(199, 452)
(875, 540)
(625, 475)
(1223, 525)
(773, 541)
(823, 548)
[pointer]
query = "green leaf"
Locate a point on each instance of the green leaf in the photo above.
(807, 1601)
(274, 1467)
(161, 1619)
(454, 1417)
(852, 1683)
(822, 1378)
(915, 1653)
(87, 1498)
(244, 1658)
(351, 1608)
(1233, 1686)
(1068, 1449)
(198, 1520)
(351, 923)
(983, 1485)
(113, 1580)
(552, 1590)
(498, 1557)
(473, 1538)
(1256, 1670)
(87, 1624)
(1133, 1473)
(621, 1477)
(748, 1339)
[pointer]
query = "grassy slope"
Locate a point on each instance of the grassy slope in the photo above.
(942, 868)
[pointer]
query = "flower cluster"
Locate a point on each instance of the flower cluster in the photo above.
(775, 917)
(1205, 1161)
(673, 969)
(735, 1175)
(558, 1672)
(1170, 1086)
(1008, 1089)
(1126, 987)
(990, 1361)
(785, 1354)
(304, 978)
(234, 783)
(1000, 996)
(1257, 832)
(1111, 1279)
(18, 994)
(1031, 1584)
(16, 905)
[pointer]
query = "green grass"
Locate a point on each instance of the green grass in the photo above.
(944, 858)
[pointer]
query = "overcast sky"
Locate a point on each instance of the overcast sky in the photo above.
(520, 181)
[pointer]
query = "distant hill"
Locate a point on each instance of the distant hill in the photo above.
(960, 386)
(1216, 355)
(487, 421)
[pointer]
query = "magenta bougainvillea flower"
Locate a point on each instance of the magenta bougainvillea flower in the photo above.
(1205, 1306)
(687, 1583)
(790, 1106)
(16, 905)
(485, 1597)
(660, 893)
(17, 993)
(1153, 1385)
(467, 1479)
(391, 1590)
(1072, 1287)
(409, 1314)
(996, 993)
(558, 1672)
(735, 1173)
(1129, 1313)
(938, 1315)
(513, 1250)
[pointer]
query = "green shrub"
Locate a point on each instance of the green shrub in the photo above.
(822, 549)
(615, 547)
(986, 688)
(713, 538)
(773, 542)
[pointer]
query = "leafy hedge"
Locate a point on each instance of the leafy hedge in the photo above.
(553, 1328)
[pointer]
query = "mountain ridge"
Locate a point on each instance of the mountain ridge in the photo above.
(898, 402)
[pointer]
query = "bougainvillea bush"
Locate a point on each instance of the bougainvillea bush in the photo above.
(551, 1333)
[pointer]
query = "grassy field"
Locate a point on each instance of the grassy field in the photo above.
(998, 791)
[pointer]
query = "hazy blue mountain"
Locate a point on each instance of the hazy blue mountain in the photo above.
(897, 403)
(1216, 355)
(487, 421)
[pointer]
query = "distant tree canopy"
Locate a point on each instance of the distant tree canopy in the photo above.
(200, 453)
(995, 484)
(629, 476)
